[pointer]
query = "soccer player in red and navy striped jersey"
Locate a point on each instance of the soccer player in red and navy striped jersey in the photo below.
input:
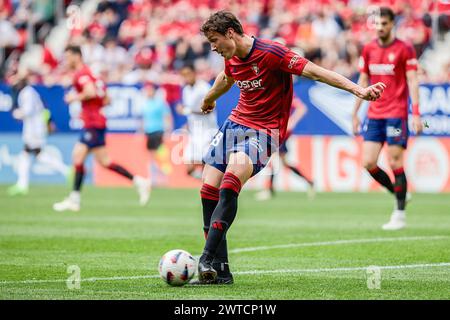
(262, 69)
(91, 92)
(393, 62)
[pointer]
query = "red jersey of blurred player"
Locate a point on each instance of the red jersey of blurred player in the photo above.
(389, 64)
(265, 82)
(394, 62)
(91, 109)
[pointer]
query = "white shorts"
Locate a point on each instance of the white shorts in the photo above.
(34, 133)
(34, 141)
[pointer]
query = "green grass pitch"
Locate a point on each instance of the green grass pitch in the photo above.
(286, 248)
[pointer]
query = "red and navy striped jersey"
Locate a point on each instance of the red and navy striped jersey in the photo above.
(91, 109)
(264, 78)
(389, 64)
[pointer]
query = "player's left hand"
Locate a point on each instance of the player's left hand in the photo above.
(207, 107)
(373, 92)
(417, 124)
(17, 114)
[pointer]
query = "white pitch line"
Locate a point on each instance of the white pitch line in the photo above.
(336, 242)
(407, 266)
(94, 279)
(292, 245)
(251, 272)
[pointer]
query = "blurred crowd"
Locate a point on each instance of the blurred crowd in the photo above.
(131, 42)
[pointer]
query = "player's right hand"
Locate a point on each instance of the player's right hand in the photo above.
(356, 123)
(417, 124)
(207, 107)
(373, 92)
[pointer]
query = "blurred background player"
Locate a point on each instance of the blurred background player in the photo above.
(91, 92)
(262, 69)
(201, 127)
(156, 121)
(393, 62)
(29, 108)
(299, 110)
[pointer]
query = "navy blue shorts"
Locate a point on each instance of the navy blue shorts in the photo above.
(233, 137)
(394, 131)
(93, 137)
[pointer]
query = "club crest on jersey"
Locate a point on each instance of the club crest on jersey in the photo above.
(391, 57)
(255, 68)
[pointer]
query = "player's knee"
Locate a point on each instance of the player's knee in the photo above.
(77, 161)
(102, 159)
(76, 158)
(79, 154)
(240, 165)
(190, 168)
(212, 176)
(105, 163)
(395, 163)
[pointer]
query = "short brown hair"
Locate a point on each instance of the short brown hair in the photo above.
(74, 49)
(387, 12)
(220, 22)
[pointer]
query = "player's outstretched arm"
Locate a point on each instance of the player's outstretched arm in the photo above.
(314, 72)
(221, 85)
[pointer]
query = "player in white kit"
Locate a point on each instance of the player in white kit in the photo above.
(35, 117)
(201, 127)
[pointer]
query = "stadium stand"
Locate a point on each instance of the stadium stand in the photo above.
(151, 39)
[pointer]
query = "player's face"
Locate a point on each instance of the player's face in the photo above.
(188, 76)
(384, 27)
(222, 44)
(149, 91)
(70, 60)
